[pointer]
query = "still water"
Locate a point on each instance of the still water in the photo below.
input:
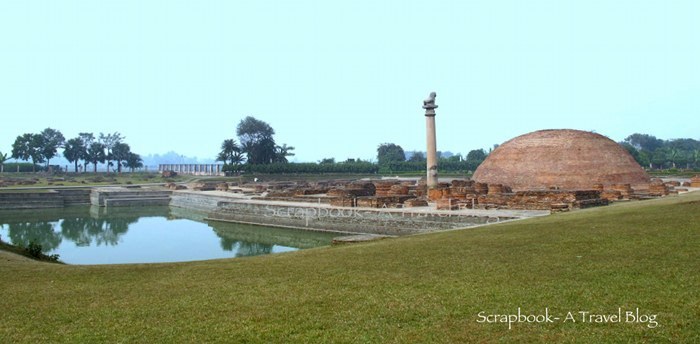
(94, 235)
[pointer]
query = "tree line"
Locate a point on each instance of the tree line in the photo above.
(654, 153)
(109, 149)
(258, 152)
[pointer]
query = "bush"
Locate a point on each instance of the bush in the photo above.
(343, 167)
(361, 167)
(34, 250)
(23, 167)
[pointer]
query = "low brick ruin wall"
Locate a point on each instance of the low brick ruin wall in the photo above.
(543, 200)
(354, 220)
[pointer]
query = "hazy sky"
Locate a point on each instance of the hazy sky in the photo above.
(337, 78)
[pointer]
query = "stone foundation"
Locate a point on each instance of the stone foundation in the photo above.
(48, 199)
(117, 196)
(353, 220)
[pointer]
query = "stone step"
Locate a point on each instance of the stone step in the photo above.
(132, 202)
(99, 196)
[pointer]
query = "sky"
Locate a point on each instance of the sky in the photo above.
(338, 78)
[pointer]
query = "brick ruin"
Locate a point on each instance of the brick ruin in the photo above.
(694, 182)
(562, 158)
(458, 194)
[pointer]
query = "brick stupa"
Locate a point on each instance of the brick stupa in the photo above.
(563, 159)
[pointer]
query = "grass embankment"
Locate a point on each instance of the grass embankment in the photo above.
(426, 288)
(33, 252)
(41, 179)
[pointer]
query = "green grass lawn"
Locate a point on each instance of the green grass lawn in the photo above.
(87, 179)
(425, 288)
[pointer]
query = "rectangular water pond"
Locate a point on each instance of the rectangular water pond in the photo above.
(94, 235)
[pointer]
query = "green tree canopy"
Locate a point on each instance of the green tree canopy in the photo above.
(257, 140)
(74, 150)
(109, 141)
(282, 152)
(252, 130)
(417, 157)
(133, 161)
(229, 148)
(29, 146)
(476, 155)
(389, 152)
(644, 142)
(120, 153)
(96, 154)
(51, 141)
(3, 159)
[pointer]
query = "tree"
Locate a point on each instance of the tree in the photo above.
(257, 140)
(673, 155)
(453, 158)
(251, 129)
(644, 142)
(228, 149)
(87, 139)
(389, 152)
(74, 150)
(636, 154)
(120, 152)
(476, 156)
(231, 155)
(109, 141)
(3, 159)
(52, 140)
(327, 161)
(237, 160)
(660, 157)
(417, 157)
(282, 152)
(133, 161)
(28, 146)
(95, 154)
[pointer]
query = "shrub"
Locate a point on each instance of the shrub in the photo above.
(34, 249)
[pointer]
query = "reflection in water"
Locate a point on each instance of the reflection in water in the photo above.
(42, 233)
(81, 225)
(90, 235)
(251, 240)
(245, 248)
(83, 231)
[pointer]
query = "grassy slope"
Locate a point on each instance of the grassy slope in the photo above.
(87, 179)
(425, 288)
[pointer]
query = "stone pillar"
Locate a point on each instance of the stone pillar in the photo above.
(431, 144)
